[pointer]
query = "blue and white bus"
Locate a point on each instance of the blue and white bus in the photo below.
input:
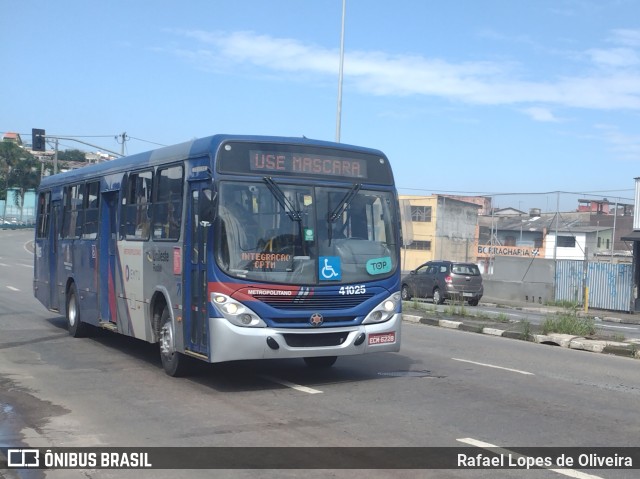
(227, 248)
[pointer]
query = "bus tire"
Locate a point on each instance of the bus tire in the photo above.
(175, 364)
(75, 326)
(320, 362)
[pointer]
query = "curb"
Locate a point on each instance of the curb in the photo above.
(553, 309)
(629, 349)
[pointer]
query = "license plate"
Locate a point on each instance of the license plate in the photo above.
(467, 295)
(382, 338)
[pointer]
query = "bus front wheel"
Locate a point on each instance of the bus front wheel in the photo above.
(173, 362)
(76, 327)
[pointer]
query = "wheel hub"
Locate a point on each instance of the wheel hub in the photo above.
(166, 339)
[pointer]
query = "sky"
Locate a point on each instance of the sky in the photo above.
(469, 97)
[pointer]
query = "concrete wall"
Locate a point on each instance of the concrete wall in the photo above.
(518, 279)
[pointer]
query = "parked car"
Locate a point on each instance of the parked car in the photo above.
(442, 280)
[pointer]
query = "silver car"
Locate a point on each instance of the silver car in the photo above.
(442, 280)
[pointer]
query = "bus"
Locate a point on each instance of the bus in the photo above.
(227, 248)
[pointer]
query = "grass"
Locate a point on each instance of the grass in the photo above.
(567, 305)
(526, 330)
(457, 309)
(568, 322)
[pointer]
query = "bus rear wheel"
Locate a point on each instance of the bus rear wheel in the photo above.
(321, 362)
(175, 364)
(76, 327)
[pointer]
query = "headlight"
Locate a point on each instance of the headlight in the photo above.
(235, 312)
(385, 310)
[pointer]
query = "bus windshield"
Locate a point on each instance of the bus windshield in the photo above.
(272, 231)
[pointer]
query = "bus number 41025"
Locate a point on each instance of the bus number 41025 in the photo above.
(357, 289)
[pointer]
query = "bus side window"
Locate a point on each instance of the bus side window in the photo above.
(73, 217)
(44, 210)
(90, 230)
(167, 203)
(134, 217)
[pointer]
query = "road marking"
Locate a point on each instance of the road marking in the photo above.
(297, 387)
(12, 288)
(4, 264)
(496, 367)
(565, 472)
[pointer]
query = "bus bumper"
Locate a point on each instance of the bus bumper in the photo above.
(232, 343)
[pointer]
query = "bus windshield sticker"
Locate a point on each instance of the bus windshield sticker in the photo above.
(308, 234)
(379, 265)
(329, 268)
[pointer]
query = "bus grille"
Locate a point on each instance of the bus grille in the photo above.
(305, 320)
(315, 302)
(315, 340)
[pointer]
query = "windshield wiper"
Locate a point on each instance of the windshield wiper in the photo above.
(291, 211)
(341, 208)
(285, 203)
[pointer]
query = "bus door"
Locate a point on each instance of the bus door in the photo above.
(195, 270)
(54, 255)
(107, 256)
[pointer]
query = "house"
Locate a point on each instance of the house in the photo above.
(543, 235)
(438, 227)
(13, 138)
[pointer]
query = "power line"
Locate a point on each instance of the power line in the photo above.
(493, 193)
(145, 141)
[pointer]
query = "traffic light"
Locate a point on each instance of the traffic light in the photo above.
(37, 139)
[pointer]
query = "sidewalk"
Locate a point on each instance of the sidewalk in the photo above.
(473, 320)
(609, 316)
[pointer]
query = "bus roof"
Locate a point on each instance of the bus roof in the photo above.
(191, 149)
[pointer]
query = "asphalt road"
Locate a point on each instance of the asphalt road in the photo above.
(445, 388)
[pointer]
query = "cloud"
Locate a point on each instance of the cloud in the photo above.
(540, 114)
(626, 37)
(615, 57)
(611, 79)
(626, 146)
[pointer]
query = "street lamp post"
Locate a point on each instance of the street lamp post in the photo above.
(339, 112)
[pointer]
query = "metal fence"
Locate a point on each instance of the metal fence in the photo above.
(610, 285)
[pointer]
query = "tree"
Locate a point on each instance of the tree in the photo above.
(19, 170)
(72, 155)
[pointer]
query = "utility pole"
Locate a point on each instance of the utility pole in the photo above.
(123, 138)
(55, 159)
(339, 112)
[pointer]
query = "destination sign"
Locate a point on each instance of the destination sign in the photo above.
(279, 160)
(299, 163)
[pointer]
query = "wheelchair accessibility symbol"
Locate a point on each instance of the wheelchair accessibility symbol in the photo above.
(329, 268)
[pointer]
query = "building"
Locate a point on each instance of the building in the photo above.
(13, 138)
(580, 235)
(438, 227)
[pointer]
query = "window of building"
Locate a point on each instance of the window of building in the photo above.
(566, 241)
(420, 245)
(421, 214)
(510, 241)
